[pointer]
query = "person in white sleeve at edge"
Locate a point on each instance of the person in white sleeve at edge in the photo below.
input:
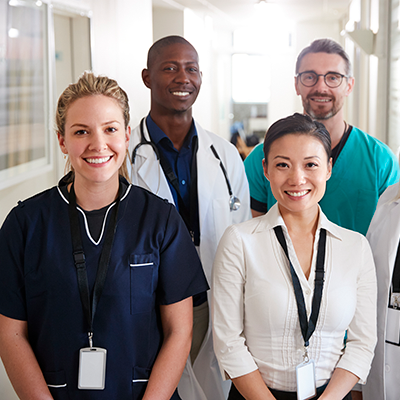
(384, 233)
(198, 171)
(288, 285)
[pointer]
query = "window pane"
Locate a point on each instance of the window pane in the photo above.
(23, 132)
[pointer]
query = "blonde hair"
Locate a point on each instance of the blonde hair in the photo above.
(91, 85)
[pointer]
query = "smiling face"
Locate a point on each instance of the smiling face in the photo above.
(320, 101)
(174, 78)
(95, 139)
(297, 170)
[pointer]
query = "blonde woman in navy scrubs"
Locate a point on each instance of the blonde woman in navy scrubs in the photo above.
(289, 284)
(97, 275)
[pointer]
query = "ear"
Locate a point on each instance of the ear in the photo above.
(328, 175)
(146, 78)
(61, 142)
(296, 85)
(350, 85)
(265, 168)
(127, 136)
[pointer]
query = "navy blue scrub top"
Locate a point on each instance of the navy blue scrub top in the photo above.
(153, 263)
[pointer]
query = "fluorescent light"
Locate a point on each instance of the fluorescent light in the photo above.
(261, 5)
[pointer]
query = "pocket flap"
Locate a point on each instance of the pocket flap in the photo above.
(141, 260)
(55, 379)
(141, 374)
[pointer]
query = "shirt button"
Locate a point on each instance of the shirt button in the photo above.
(183, 182)
(308, 292)
(387, 368)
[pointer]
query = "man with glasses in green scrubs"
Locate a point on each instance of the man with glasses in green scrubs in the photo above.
(363, 166)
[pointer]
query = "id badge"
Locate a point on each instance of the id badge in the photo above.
(305, 377)
(395, 300)
(92, 368)
(393, 326)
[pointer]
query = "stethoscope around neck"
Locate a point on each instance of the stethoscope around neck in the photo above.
(234, 202)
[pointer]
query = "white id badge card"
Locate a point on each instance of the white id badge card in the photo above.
(393, 325)
(305, 377)
(395, 300)
(92, 368)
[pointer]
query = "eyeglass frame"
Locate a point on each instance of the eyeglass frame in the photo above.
(324, 75)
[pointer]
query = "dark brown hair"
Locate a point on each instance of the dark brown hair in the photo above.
(298, 124)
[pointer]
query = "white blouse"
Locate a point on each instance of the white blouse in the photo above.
(254, 310)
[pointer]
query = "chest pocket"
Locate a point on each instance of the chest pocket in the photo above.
(142, 275)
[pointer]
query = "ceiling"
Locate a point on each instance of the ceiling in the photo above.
(237, 12)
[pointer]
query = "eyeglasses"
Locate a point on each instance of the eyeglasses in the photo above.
(331, 79)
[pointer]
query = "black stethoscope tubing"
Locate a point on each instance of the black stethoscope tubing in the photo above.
(144, 141)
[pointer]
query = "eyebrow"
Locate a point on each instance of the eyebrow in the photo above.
(178, 62)
(78, 124)
(288, 158)
(311, 70)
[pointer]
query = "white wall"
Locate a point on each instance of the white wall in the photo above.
(220, 89)
(167, 21)
(380, 124)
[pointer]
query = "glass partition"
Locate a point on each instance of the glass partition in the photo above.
(24, 131)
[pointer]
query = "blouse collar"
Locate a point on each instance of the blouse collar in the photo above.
(274, 218)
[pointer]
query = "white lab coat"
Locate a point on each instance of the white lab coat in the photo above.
(203, 380)
(383, 382)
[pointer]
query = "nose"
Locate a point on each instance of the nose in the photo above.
(320, 84)
(297, 176)
(182, 76)
(98, 141)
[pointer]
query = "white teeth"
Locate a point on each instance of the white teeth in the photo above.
(97, 160)
(297, 194)
(322, 100)
(180, 93)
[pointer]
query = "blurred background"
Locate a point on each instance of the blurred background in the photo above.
(247, 52)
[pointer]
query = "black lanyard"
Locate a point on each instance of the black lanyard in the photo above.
(396, 272)
(307, 327)
(89, 307)
(191, 216)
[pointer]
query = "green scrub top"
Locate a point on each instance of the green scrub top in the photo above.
(364, 169)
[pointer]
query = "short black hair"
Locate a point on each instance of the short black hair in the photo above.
(160, 44)
(325, 46)
(298, 124)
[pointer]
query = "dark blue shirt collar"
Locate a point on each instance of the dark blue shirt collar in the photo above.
(157, 135)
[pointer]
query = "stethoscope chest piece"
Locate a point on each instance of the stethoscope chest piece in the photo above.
(234, 203)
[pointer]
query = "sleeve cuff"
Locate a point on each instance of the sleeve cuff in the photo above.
(258, 205)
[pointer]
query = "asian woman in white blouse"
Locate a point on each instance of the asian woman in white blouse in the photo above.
(258, 339)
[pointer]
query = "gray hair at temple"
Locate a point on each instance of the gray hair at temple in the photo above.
(325, 46)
